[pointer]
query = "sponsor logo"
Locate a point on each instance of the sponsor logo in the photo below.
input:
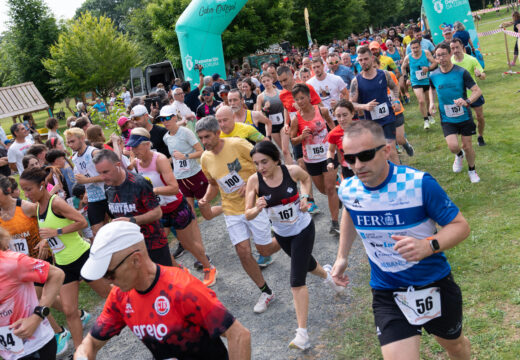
(384, 244)
(39, 266)
(6, 313)
(356, 204)
(122, 208)
(129, 308)
(290, 190)
(188, 62)
(438, 6)
(156, 331)
(162, 305)
(388, 219)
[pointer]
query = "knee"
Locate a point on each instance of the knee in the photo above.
(454, 147)
(467, 146)
(243, 252)
(70, 311)
(459, 348)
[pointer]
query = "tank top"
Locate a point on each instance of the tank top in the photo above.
(156, 179)
(417, 76)
(395, 56)
(370, 89)
(275, 108)
(283, 205)
(84, 165)
(249, 121)
(24, 232)
(67, 248)
(314, 147)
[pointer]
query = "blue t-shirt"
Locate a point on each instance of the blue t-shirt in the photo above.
(450, 86)
(276, 83)
(425, 45)
(408, 203)
(463, 36)
(100, 107)
(345, 73)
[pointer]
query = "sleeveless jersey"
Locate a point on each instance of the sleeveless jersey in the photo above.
(67, 248)
(417, 76)
(375, 88)
(395, 56)
(84, 165)
(314, 147)
(407, 203)
(275, 109)
(283, 205)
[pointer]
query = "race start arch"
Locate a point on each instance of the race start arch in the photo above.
(199, 30)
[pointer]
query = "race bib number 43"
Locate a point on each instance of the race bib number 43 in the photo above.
(419, 306)
(380, 111)
(231, 182)
(9, 341)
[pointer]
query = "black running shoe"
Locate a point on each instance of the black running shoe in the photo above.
(178, 252)
(481, 141)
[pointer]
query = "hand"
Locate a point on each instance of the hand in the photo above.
(47, 233)
(338, 272)
(460, 102)
(477, 73)
(425, 69)
(203, 202)
(43, 250)
(183, 122)
(25, 328)
(81, 179)
(412, 249)
(396, 106)
(178, 155)
(286, 129)
(122, 219)
(330, 167)
(306, 133)
(261, 203)
(115, 138)
(304, 205)
(432, 109)
(371, 105)
(408, 82)
(242, 191)
(266, 107)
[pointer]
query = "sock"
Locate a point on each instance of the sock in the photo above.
(82, 313)
(265, 288)
(311, 199)
(429, 114)
(471, 168)
(426, 118)
(460, 154)
(303, 331)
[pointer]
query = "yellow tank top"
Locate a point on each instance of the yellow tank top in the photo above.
(249, 118)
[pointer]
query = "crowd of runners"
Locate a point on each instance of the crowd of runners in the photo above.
(255, 149)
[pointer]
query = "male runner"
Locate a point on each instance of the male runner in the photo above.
(227, 166)
(209, 105)
(245, 116)
(368, 92)
(450, 82)
(386, 62)
(141, 118)
(230, 128)
(338, 69)
(394, 209)
(474, 68)
(425, 43)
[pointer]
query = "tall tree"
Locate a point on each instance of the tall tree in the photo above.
(117, 10)
(91, 55)
(32, 30)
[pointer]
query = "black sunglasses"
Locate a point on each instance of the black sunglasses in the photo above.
(166, 118)
(363, 156)
(110, 274)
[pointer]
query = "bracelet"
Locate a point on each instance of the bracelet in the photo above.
(306, 196)
(330, 161)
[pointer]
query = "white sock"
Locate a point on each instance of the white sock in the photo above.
(303, 331)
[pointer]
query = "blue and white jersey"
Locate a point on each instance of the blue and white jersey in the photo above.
(408, 203)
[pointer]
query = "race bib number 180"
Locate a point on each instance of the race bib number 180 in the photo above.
(419, 306)
(9, 341)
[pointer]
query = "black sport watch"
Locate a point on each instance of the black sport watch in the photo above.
(42, 311)
(434, 244)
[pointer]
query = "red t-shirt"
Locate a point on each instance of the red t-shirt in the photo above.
(288, 100)
(177, 317)
(335, 137)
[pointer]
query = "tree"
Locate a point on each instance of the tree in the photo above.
(32, 29)
(9, 74)
(383, 12)
(91, 55)
(117, 10)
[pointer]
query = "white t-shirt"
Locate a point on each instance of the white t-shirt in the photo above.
(183, 141)
(17, 151)
(126, 98)
(182, 109)
(328, 89)
(3, 136)
(52, 134)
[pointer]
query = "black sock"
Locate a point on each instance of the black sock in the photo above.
(426, 118)
(429, 114)
(265, 288)
(62, 330)
(460, 154)
(82, 313)
(471, 168)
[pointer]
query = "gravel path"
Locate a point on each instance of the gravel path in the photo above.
(271, 331)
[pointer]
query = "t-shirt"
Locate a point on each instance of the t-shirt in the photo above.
(135, 197)
(192, 99)
(127, 98)
(17, 151)
(177, 317)
(100, 107)
(230, 168)
(182, 109)
(469, 63)
(335, 136)
(288, 101)
(387, 63)
(346, 74)
(205, 109)
(183, 141)
(425, 45)
(3, 136)
(244, 131)
(18, 274)
(84, 165)
(450, 86)
(408, 203)
(156, 137)
(250, 101)
(4, 170)
(329, 89)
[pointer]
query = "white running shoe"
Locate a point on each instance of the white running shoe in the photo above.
(301, 341)
(457, 163)
(473, 176)
(263, 302)
(426, 124)
(330, 282)
(431, 119)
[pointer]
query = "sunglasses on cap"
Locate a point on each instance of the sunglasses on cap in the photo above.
(166, 118)
(363, 156)
(110, 274)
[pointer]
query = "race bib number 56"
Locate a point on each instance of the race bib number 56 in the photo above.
(419, 306)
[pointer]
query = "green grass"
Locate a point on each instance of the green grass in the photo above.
(486, 264)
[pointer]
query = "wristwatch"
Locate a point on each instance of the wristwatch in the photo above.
(42, 311)
(59, 231)
(468, 102)
(434, 244)
(133, 220)
(187, 156)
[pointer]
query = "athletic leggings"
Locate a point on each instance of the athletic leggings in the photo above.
(299, 249)
(47, 352)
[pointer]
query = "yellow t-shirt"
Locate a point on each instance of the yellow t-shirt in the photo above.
(244, 131)
(387, 63)
(230, 168)
(406, 40)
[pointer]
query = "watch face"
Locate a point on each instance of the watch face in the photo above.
(435, 244)
(45, 311)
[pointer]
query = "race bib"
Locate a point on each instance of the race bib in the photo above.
(419, 306)
(55, 244)
(284, 214)
(453, 110)
(231, 182)
(380, 111)
(316, 151)
(292, 115)
(182, 165)
(19, 245)
(276, 119)
(421, 75)
(9, 341)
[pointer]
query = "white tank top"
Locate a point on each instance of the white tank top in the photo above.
(84, 165)
(153, 175)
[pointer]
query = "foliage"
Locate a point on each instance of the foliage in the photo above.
(117, 10)
(32, 29)
(9, 74)
(108, 122)
(139, 29)
(91, 55)
(381, 12)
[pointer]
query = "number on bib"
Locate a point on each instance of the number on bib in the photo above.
(453, 110)
(182, 165)
(316, 151)
(276, 119)
(419, 306)
(420, 75)
(380, 111)
(55, 244)
(231, 182)
(19, 245)
(285, 214)
(9, 341)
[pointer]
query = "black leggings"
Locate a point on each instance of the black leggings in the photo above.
(161, 256)
(47, 352)
(299, 248)
(516, 48)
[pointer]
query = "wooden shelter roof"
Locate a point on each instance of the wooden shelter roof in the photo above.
(20, 99)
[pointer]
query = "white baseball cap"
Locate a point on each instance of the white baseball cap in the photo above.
(137, 111)
(168, 110)
(111, 238)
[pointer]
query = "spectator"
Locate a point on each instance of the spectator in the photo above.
(52, 125)
(19, 147)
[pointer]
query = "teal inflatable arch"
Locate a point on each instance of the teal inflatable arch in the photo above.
(199, 30)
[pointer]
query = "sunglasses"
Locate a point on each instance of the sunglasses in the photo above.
(363, 156)
(178, 93)
(166, 118)
(111, 274)
(333, 62)
(206, 94)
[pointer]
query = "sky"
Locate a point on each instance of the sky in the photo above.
(60, 8)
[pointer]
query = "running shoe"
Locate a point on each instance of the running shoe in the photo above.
(210, 276)
(264, 261)
(178, 252)
(473, 176)
(334, 228)
(263, 302)
(431, 119)
(406, 100)
(481, 141)
(426, 124)
(330, 282)
(62, 339)
(338, 180)
(198, 265)
(301, 341)
(408, 148)
(196, 204)
(398, 148)
(313, 208)
(85, 317)
(457, 163)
